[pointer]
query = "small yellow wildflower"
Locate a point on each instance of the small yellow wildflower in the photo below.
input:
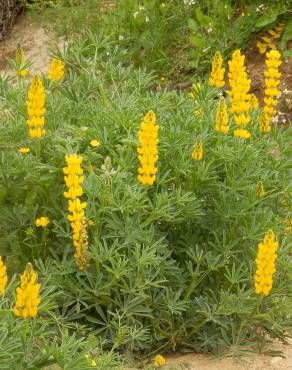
(27, 294)
(93, 363)
(159, 360)
(162, 5)
(23, 72)
(42, 222)
(242, 133)
(3, 276)
(198, 151)
(162, 78)
(23, 150)
(95, 143)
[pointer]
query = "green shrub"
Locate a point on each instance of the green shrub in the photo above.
(172, 265)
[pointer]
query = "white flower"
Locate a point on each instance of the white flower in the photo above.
(121, 37)
(135, 14)
(147, 19)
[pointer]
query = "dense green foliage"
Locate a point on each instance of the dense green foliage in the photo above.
(172, 265)
(48, 342)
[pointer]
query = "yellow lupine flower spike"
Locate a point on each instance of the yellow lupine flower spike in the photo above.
(272, 81)
(73, 180)
(253, 100)
(198, 151)
(147, 150)
(36, 108)
(265, 122)
(265, 264)
(27, 294)
(239, 94)
(217, 74)
(56, 71)
(3, 276)
(222, 117)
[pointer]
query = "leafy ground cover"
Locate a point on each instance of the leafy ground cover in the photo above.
(168, 266)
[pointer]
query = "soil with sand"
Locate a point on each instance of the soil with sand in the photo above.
(34, 40)
(36, 44)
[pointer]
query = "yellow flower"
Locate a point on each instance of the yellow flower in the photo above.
(265, 122)
(36, 108)
(253, 100)
(3, 276)
(242, 133)
(198, 151)
(265, 264)
(89, 222)
(23, 150)
(42, 222)
(260, 190)
(23, 72)
(239, 89)
(162, 5)
(272, 76)
(93, 363)
(147, 150)
(159, 360)
(217, 74)
(73, 180)
(262, 47)
(222, 117)
(56, 71)
(27, 294)
(275, 34)
(95, 143)
(269, 43)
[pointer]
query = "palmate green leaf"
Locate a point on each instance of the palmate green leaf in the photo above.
(198, 41)
(266, 20)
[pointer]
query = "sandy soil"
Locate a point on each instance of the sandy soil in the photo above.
(193, 361)
(35, 42)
